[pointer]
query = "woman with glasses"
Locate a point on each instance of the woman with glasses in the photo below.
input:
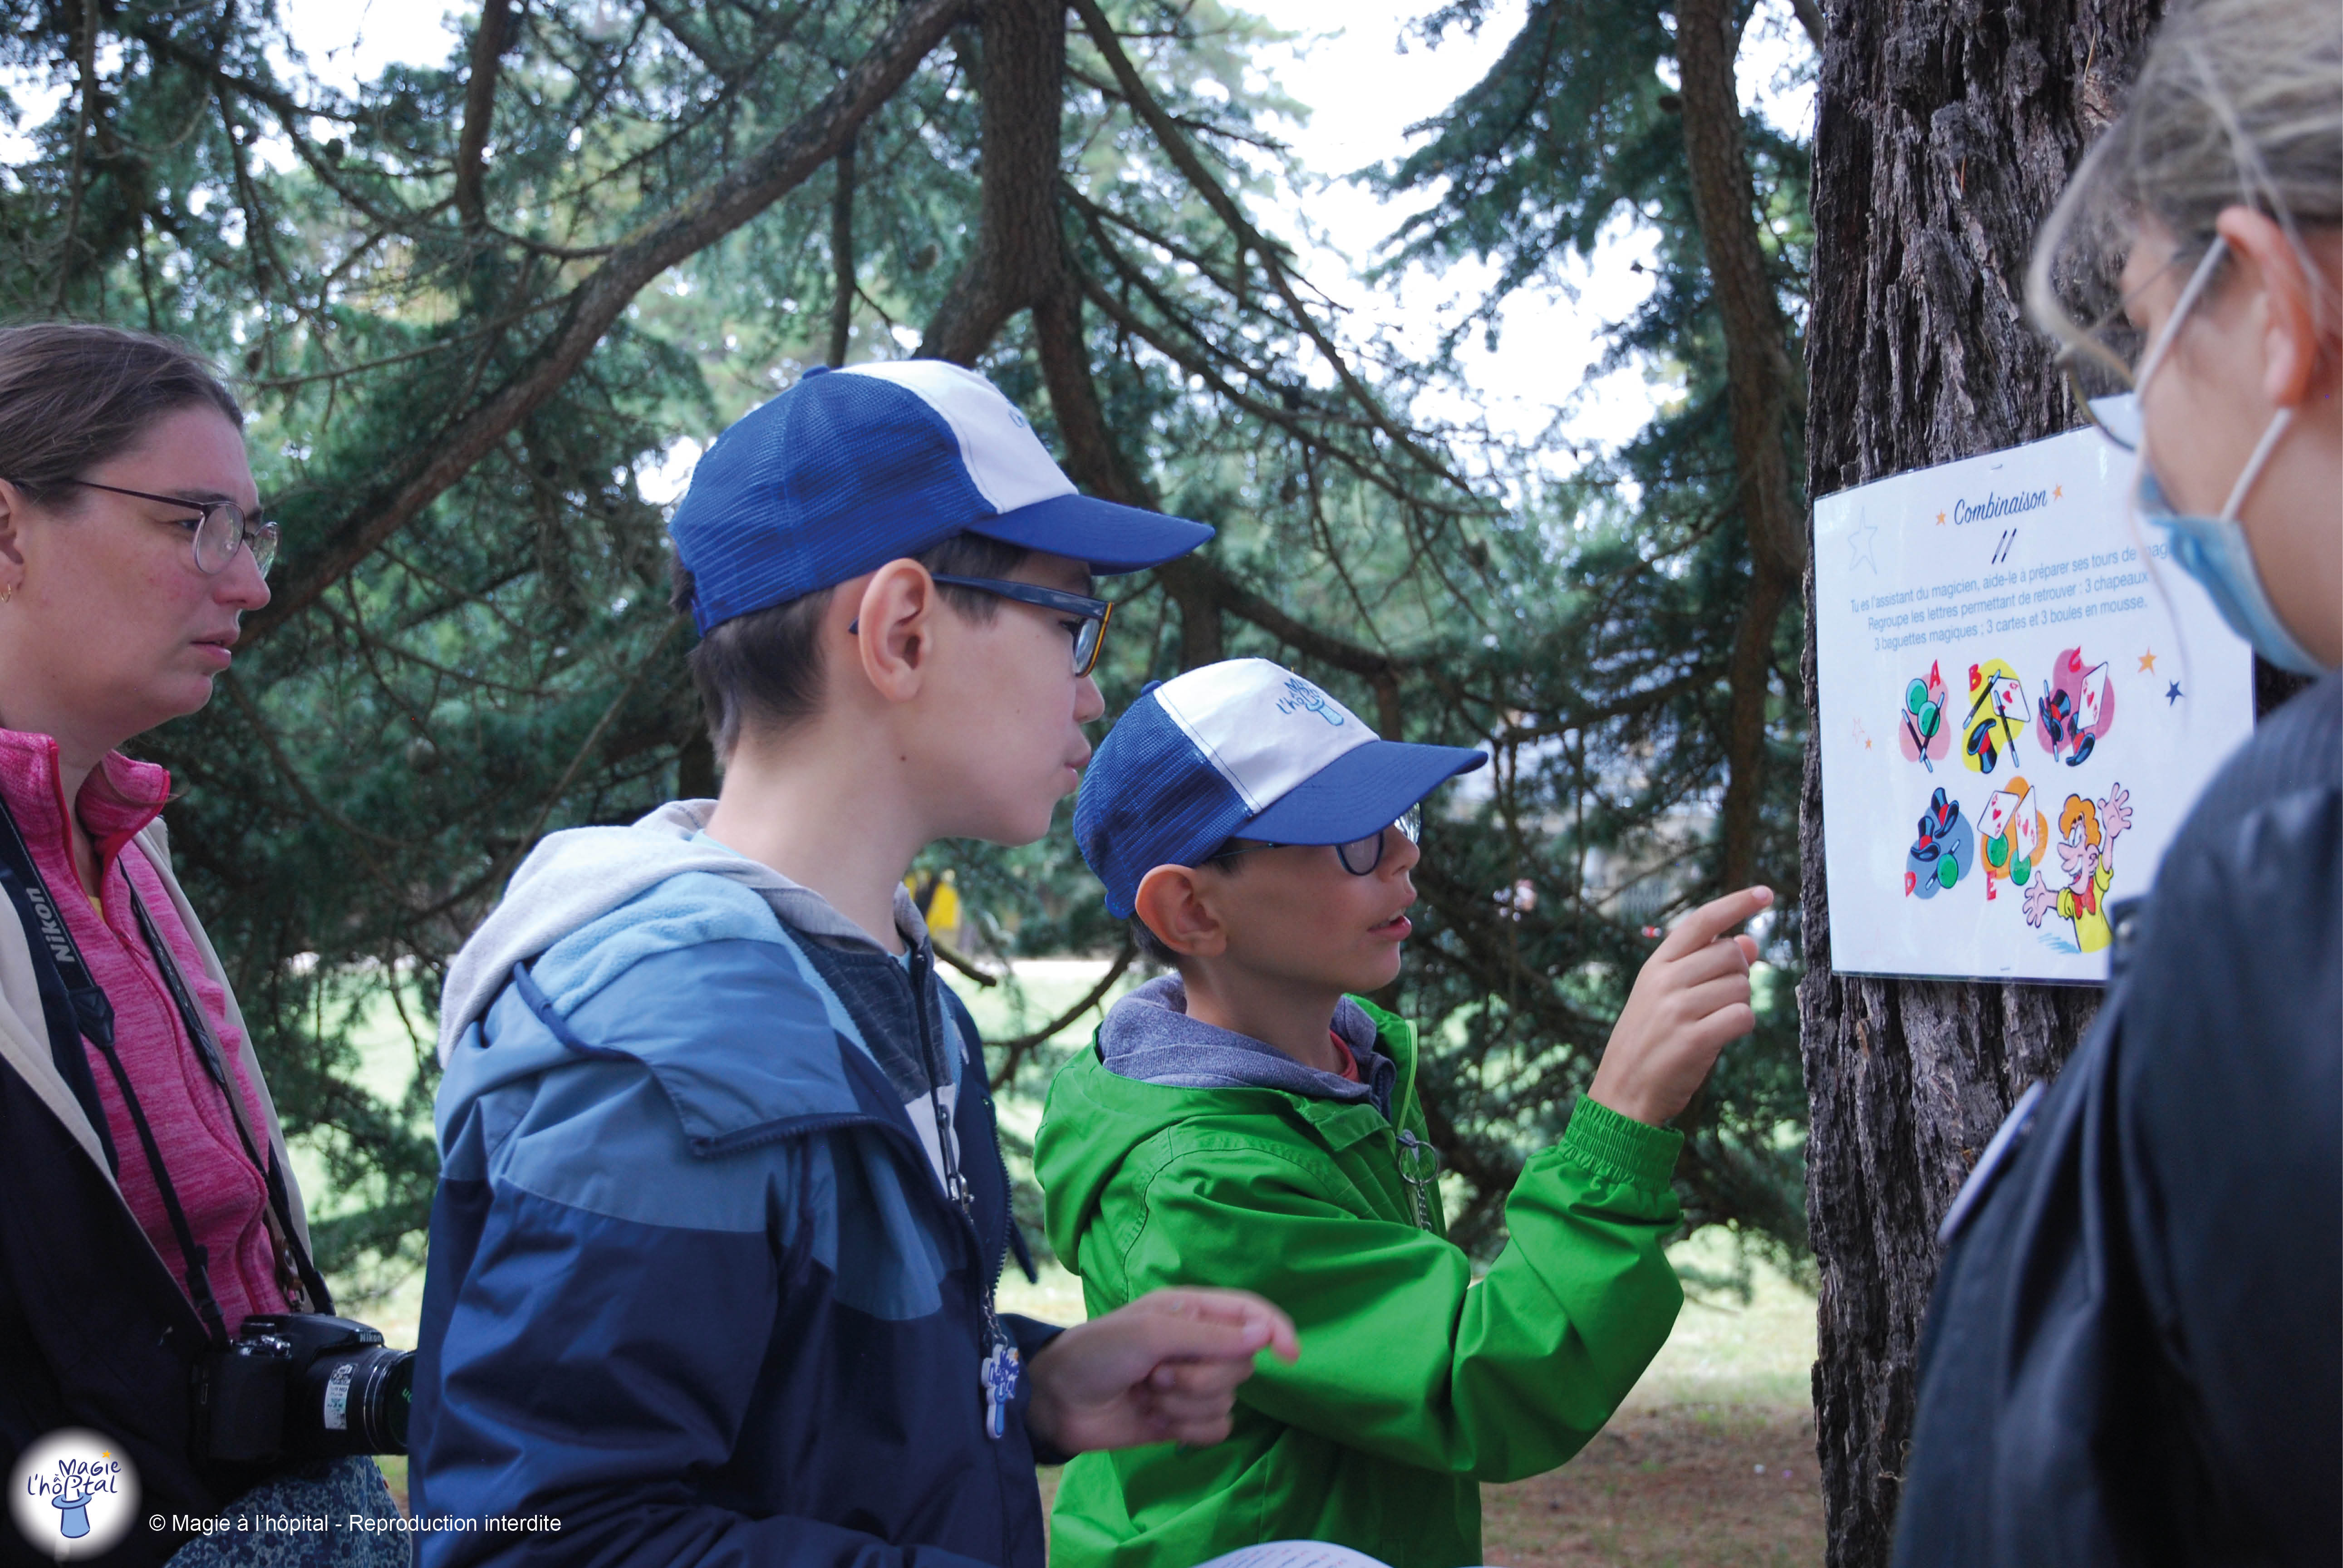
(149, 1209)
(2133, 1353)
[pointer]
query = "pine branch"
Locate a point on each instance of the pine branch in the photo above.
(489, 40)
(762, 179)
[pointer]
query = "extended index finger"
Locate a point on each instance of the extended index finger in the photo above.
(1222, 1322)
(1712, 920)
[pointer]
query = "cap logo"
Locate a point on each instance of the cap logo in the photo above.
(1301, 697)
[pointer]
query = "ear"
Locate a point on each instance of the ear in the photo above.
(12, 554)
(1172, 903)
(2300, 343)
(895, 618)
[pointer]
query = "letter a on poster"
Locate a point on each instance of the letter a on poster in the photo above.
(2014, 719)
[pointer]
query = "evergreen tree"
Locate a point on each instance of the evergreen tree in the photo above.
(473, 306)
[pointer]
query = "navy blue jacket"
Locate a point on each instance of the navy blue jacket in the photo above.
(2136, 1351)
(695, 1289)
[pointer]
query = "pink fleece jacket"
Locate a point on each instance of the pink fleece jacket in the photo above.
(223, 1195)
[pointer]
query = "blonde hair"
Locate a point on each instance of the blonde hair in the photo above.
(2240, 103)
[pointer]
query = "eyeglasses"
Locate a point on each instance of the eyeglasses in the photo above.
(1359, 857)
(2115, 358)
(1088, 629)
(218, 529)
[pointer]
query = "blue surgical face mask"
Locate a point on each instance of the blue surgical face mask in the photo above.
(2214, 550)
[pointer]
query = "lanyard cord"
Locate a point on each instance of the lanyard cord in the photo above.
(87, 1010)
(921, 973)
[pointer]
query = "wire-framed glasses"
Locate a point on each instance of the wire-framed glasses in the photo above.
(1090, 616)
(218, 531)
(2114, 359)
(1359, 857)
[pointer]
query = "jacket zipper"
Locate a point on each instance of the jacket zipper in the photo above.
(997, 1343)
(999, 1371)
(1411, 1149)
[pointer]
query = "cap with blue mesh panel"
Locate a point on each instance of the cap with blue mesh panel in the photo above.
(850, 469)
(1241, 749)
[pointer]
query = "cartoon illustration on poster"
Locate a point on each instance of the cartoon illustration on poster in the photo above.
(1996, 715)
(2087, 837)
(1921, 732)
(2078, 708)
(2005, 611)
(1941, 856)
(2016, 835)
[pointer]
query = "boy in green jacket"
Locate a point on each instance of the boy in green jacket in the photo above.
(1248, 1122)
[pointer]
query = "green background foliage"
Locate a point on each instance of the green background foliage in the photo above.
(503, 663)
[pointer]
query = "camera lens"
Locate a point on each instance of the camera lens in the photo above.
(360, 1399)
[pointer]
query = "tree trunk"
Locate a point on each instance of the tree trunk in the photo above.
(1020, 254)
(1757, 379)
(1945, 133)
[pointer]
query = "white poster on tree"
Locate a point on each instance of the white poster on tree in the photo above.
(2014, 719)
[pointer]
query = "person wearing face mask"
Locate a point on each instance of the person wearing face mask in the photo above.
(148, 1209)
(2133, 1351)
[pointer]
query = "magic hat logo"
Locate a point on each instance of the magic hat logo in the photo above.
(74, 1494)
(1301, 697)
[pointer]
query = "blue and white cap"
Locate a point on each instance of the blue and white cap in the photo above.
(850, 469)
(1241, 749)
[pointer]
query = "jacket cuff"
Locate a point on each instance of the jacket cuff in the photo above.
(1643, 1154)
(1031, 1336)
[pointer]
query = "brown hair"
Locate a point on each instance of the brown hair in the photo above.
(2240, 103)
(766, 666)
(72, 395)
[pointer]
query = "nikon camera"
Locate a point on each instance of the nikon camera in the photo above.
(298, 1386)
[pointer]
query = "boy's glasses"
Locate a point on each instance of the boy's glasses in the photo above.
(218, 531)
(1088, 627)
(1359, 857)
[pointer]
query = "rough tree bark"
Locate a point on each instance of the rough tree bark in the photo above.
(1757, 380)
(488, 41)
(1944, 133)
(1020, 259)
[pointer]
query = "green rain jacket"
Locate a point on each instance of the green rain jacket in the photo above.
(1416, 1382)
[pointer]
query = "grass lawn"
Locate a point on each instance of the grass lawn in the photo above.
(1711, 1462)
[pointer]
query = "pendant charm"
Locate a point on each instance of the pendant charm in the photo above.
(999, 1375)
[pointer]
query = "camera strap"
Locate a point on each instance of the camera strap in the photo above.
(88, 1015)
(292, 1264)
(76, 1008)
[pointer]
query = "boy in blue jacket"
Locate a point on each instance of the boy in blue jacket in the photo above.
(722, 1209)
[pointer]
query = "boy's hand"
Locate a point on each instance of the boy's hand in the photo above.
(1164, 1369)
(1692, 997)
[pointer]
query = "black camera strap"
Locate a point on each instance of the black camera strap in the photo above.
(293, 1267)
(67, 1009)
(75, 1007)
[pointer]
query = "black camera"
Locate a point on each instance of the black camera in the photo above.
(297, 1386)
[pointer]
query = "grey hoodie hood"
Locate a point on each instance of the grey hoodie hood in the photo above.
(1148, 1036)
(578, 875)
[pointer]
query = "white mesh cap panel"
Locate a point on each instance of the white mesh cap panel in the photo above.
(1266, 730)
(1005, 460)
